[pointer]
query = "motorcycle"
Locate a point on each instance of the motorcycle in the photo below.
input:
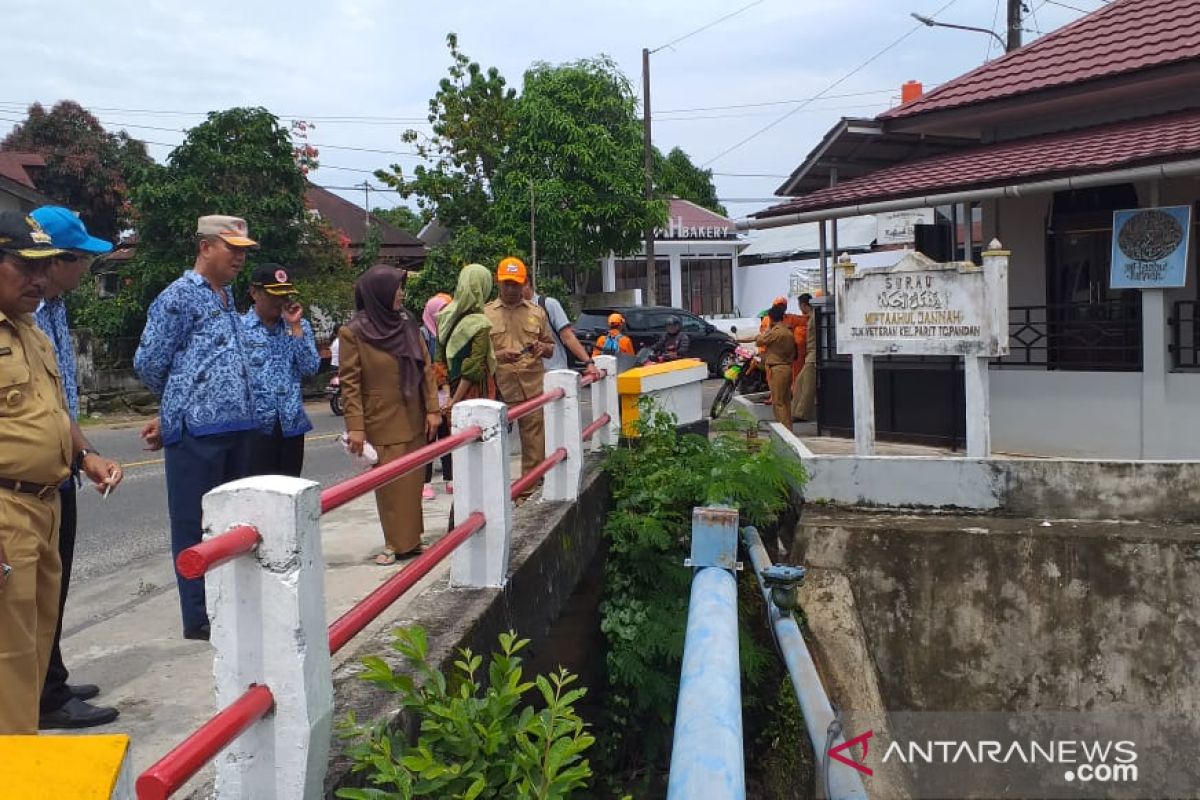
(333, 393)
(746, 375)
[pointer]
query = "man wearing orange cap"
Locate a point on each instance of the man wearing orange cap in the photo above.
(521, 338)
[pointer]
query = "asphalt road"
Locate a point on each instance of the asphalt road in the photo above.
(132, 523)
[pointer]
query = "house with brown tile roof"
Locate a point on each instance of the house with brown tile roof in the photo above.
(18, 192)
(397, 246)
(1042, 146)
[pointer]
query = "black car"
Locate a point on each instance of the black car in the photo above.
(644, 324)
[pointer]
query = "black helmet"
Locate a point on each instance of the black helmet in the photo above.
(673, 320)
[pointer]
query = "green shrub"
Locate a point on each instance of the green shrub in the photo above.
(655, 485)
(474, 742)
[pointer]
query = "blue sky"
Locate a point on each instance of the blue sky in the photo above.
(160, 64)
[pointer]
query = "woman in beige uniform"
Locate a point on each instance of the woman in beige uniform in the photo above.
(390, 393)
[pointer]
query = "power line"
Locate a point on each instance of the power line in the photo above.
(747, 115)
(995, 16)
(749, 175)
(703, 28)
(774, 102)
(310, 117)
(1064, 5)
(833, 85)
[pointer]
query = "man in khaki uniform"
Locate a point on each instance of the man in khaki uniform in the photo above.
(521, 338)
(779, 350)
(35, 458)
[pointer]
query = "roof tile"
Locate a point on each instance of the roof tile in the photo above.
(1117, 145)
(1122, 37)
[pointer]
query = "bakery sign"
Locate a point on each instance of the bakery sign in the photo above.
(921, 307)
(677, 228)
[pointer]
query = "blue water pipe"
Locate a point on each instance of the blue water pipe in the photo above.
(706, 758)
(842, 782)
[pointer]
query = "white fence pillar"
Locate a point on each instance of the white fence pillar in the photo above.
(482, 480)
(863, 374)
(268, 626)
(605, 400)
(979, 407)
(564, 428)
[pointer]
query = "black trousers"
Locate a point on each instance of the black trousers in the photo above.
(55, 693)
(447, 461)
(277, 454)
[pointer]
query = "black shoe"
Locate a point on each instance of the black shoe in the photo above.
(83, 691)
(77, 714)
(198, 633)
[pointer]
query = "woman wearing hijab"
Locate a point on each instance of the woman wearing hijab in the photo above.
(391, 398)
(429, 333)
(464, 340)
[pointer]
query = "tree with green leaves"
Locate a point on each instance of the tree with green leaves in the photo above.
(576, 157)
(473, 116)
(676, 176)
(88, 169)
(402, 217)
(237, 162)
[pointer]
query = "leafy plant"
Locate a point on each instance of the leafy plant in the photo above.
(474, 742)
(655, 486)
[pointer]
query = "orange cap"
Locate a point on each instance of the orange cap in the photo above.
(779, 301)
(511, 269)
(615, 319)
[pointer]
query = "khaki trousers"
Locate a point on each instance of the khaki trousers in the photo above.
(28, 605)
(399, 502)
(804, 392)
(779, 378)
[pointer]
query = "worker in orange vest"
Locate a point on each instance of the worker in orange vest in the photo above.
(615, 341)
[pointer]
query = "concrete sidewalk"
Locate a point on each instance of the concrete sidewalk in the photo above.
(123, 632)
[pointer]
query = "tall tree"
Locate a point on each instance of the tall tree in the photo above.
(576, 158)
(472, 115)
(237, 162)
(676, 175)
(88, 169)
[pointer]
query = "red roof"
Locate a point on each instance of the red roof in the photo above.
(351, 220)
(13, 166)
(1125, 144)
(1121, 37)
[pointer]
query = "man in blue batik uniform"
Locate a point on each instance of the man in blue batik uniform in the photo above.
(282, 351)
(192, 356)
(65, 705)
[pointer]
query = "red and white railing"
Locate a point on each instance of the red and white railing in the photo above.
(272, 664)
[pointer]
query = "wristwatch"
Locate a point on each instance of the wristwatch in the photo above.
(84, 453)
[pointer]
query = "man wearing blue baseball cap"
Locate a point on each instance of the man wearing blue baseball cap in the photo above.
(64, 705)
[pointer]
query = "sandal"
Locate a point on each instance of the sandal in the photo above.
(386, 558)
(416, 551)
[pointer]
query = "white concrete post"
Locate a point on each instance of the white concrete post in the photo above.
(268, 627)
(564, 428)
(863, 375)
(482, 483)
(979, 407)
(605, 400)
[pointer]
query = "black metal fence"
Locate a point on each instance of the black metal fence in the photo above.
(1093, 337)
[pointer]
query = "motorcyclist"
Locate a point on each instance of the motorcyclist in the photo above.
(673, 344)
(615, 341)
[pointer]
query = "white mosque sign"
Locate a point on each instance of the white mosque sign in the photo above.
(920, 307)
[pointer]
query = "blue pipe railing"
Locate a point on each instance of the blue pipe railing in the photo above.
(706, 758)
(842, 782)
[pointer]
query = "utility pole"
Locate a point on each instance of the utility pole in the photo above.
(366, 187)
(1013, 40)
(651, 278)
(532, 233)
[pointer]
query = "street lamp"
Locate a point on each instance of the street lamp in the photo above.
(935, 24)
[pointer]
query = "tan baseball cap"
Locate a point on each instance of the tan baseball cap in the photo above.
(233, 230)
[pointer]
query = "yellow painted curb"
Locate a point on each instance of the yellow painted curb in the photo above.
(630, 381)
(60, 767)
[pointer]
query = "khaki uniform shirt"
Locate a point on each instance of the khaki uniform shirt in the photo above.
(778, 345)
(514, 329)
(35, 426)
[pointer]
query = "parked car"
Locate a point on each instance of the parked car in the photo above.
(644, 324)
